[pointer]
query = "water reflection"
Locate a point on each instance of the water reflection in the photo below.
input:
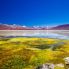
(46, 35)
(63, 34)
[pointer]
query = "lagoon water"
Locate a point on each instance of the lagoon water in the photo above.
(60, 34)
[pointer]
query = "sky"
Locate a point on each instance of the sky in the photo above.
(34, 12)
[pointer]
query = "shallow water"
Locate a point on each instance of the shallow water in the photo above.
(60, 34)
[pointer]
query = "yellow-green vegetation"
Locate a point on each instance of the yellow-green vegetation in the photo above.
(29, 53)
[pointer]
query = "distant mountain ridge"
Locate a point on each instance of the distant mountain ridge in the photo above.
(61, 27)
(18, 27)
(11, 27)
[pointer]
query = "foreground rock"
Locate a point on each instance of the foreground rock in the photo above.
(52, 66)
(66, 62)
(46, 66)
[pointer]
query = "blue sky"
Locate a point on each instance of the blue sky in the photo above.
(34, 12)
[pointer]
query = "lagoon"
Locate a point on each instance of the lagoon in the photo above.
(60, 34)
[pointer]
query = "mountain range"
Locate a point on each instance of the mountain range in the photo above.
(61, 27)
(17, 27)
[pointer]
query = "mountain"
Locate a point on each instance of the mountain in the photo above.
(61, 27)
(39, 28)
(17, 27)
(12, 27)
